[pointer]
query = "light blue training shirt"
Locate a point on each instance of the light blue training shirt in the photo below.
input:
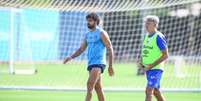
(96, 48)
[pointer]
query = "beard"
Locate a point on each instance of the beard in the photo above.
(90, 26)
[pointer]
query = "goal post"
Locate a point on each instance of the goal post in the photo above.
(35, 37)
(10, 43)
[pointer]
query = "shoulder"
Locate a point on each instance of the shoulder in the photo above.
(161, 41)
(102, 31)
(160, 35)
(86, 33)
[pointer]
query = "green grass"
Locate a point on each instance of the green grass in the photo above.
(75, 75)
(79, 96)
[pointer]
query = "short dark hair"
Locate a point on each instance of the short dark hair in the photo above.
(93, 16)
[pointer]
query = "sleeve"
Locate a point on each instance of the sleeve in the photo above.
(161, 42)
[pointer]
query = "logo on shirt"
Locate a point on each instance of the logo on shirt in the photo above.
(92, 38)
(152, 77)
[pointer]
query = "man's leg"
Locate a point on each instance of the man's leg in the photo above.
(149, 93)
(99, 90)
(94, 75)
(158, 95)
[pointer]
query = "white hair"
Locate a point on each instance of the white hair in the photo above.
(153, 18)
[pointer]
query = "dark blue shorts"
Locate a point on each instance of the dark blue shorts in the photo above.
(153, 78)
(101, 66)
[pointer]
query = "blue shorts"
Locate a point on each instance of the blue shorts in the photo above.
(153, 78)
(101, 66)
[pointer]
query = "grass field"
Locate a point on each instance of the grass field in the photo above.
(75, 75)
(79, 96)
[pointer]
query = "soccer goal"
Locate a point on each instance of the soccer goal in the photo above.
(36, 36)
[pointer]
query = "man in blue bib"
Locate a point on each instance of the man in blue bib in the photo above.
(154, 53)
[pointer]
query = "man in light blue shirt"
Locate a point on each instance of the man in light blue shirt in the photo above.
(97, 41)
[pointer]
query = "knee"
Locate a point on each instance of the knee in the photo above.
(149, 92)
(156, 92)
(98, 87)
(90, 86)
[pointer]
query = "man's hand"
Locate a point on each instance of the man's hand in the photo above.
(77, 52)
(140, 65)
(148, 67)
(158, 61)
(110, 71)
(67, 59)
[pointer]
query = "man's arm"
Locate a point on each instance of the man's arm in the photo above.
(140, 64)
(163, 57)
(108, 45)
(162, 45)
(78, 52)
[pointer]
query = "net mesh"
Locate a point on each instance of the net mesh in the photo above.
(41, 33)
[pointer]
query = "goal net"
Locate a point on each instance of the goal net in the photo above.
(36, 36)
